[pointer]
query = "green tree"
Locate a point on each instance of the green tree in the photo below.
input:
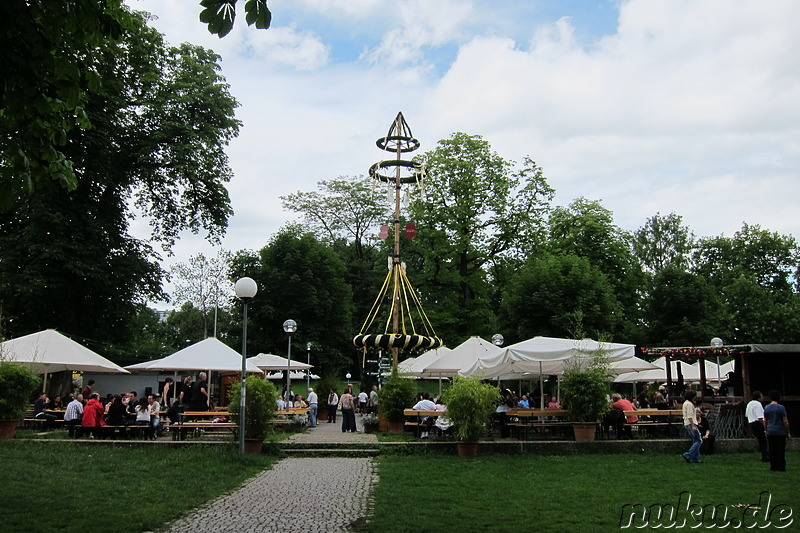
(161, 119)
(585, 228)
(477, 209)
(550, 292)
(49, 66)
(205, 282)
(755, 273)
(663, 241)
(682, 309)
(300, 278)
(220, 15)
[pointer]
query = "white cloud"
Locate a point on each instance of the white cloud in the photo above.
(688, 107)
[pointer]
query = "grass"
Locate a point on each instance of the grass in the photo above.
(583, 493)
(62, 486)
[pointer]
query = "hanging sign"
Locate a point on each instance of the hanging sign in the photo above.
(411, 230)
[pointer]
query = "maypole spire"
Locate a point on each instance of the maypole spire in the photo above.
(405, 308)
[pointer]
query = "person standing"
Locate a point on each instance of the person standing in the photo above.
(777, 432)
(200, 393)
(348, 412)
(93, 415)
(313, 404)
(333, 405)
(755, 418)
(73, 414)
(167, 392)
(690, 423)
(373, 399)
(87, 389)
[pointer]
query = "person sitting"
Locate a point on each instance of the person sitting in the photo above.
(40, 411)
(553, 403)
(620, 403)
(524, 403)
(92, 419)
(300, 402)
(643, 399)
(425, 404)
(281, 403)
(55, 403)
(143, 418)
(117, 417)
(73, 414)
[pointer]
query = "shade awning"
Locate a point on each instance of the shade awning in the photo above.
(208, 354)
(49, 351)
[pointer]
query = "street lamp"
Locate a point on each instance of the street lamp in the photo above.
(245, 289)
(498, 339)
(290, 326)
(717, 343)
(308, 362)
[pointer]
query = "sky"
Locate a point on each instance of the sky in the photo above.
(650, 106)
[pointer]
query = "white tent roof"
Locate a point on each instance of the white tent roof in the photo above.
(50, 351)
(465, 354)
(630, 364)
(416, 367)
(295, 376)
(405, 367)
(690, 373)
(542, 355)
(268, 361)
(208, 354)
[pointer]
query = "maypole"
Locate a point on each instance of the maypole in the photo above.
(405, 307)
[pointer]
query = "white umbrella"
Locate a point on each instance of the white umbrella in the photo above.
(49, 351)
(268, 361)
(208, 354)
(543, 355)
(690, 373)
(465, 354)
(416, 367)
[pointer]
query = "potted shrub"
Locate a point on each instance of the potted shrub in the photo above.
(584, 391)
(370, 422)
(470, 403)
(260, 408)
(17, 383)
(396, 395)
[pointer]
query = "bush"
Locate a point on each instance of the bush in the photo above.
(17, 383)
(470, 403)
(585, 390)
(260, 407)
(396, 395)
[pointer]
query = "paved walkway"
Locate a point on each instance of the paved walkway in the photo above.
(296, 494)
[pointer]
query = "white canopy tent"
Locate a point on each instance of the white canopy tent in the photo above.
(463, 355)
(208, 354)
(268, 361)
(296, 376)
(690, 373)
(49, 351)
(418, 364)
(543, 356)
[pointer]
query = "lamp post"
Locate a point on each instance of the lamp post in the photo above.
(290, 326)
(716, 344)
(245, 289)
(308, 362)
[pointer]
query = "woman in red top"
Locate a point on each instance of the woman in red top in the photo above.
(93, 415)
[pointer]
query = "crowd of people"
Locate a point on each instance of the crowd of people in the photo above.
(124, 414)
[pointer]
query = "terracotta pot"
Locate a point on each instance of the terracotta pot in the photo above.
(584, 432)
(253, 445)
(395, 426)
(383, 424)
(8, 428)
(467, 449)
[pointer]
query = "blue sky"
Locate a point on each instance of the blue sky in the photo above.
(650, 106)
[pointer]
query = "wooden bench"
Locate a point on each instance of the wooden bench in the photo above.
(413, 418)
(652, 419)
(202, 422)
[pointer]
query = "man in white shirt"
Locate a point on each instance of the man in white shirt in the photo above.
(425, 404)
(313, 404)
(755, 417)
(690, 423)
(73, 414)
(362, 401)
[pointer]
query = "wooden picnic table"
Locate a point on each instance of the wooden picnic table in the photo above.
(528, 413)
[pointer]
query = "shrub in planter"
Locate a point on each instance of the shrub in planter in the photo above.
(470, 404)
(17, 384)
(260, 407)
(585, 389)
(396, 395)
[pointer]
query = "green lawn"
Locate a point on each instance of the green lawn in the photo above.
(586, 493)
(66, 487)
